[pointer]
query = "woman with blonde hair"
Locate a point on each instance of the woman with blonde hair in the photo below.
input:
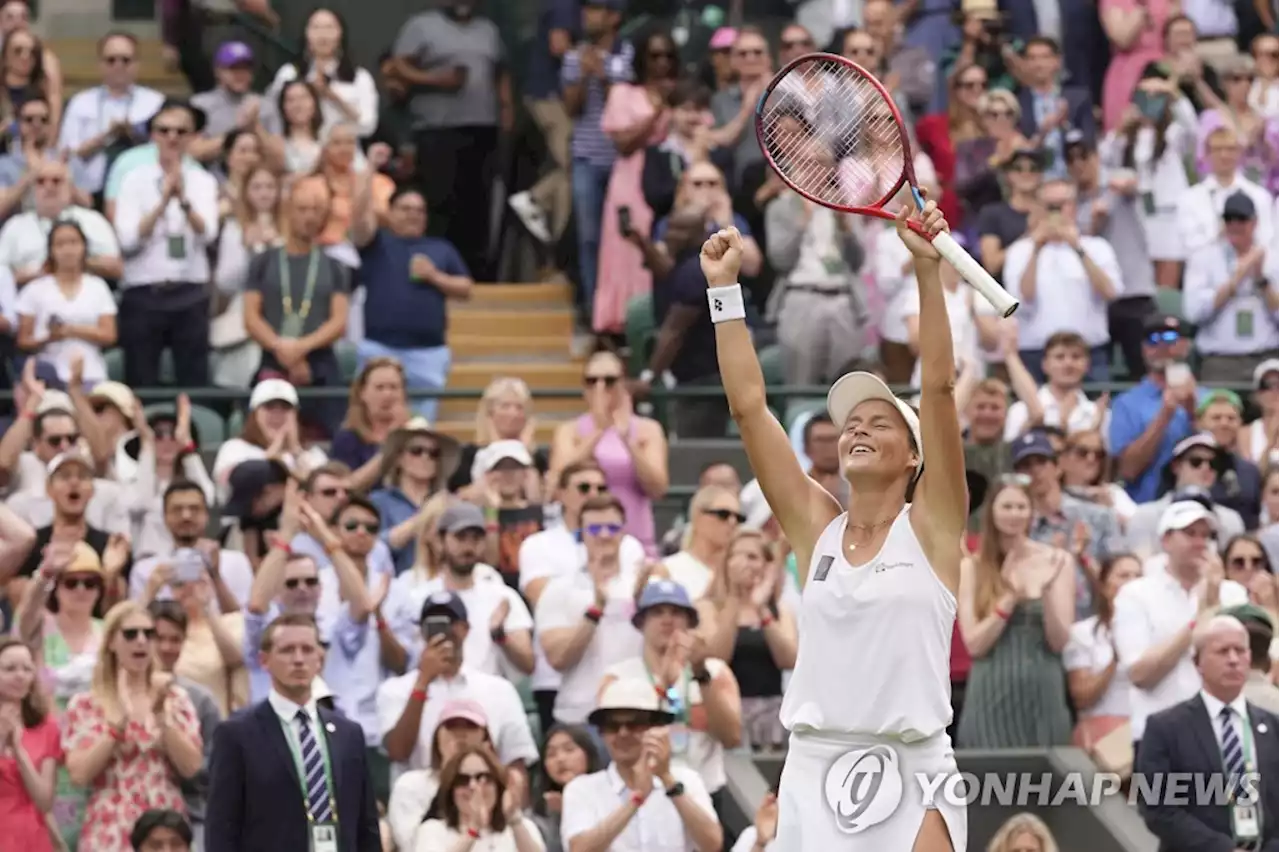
(416, 464)
(979, 158)
(376, 406)
(714, 516)
(504, 413)
(132, 737)
(1016, 607)
(1023, 833)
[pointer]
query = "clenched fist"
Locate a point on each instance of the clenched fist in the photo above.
(722, 257)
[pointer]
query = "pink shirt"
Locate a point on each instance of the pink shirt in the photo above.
(22, 825)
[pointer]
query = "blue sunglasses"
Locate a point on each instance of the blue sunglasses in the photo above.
(1158, 337)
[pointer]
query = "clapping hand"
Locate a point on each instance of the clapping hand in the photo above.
(115, 555)
(316, 527)
(767, 819)
(56, 558)
(499, 616)
(513, 796)
(160, 683)
(655, 748)
(379, 155)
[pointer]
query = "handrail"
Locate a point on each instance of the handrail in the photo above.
(266, 34)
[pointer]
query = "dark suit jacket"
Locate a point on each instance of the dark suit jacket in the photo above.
(255, 798)
(1182, 739)
(1079, 112)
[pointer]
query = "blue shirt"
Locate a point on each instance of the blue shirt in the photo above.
(1131, 413)
(542, 77)
(399, 312)
(395, 509)
(590, 142)
(352, 666)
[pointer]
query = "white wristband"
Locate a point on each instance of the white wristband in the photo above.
(726, 303)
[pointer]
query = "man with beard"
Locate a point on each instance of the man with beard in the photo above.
(505, 645)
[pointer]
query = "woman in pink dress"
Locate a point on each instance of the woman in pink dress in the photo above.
(635, 117)
(30, 752)
(1135, 29)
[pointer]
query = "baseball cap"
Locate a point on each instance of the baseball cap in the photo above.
(853, 389)
(1195, 494)
(444, 602)
(231, 53)
(1220, 395)
(273, 390)
(466, 710)
(1026, 152)
(1181, 514)
(660, 592)
(1271, 365)
(1075, 138)
(70, 457)
(461, 516)
(115, 393)
(722, 39)
(1201, 439)
(502, 450)
(1248, 614)
(55, 400)
(1032, 444)
(1165, 322)
(246, 482)
(1239, 206)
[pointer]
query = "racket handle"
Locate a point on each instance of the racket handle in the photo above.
(973, 273)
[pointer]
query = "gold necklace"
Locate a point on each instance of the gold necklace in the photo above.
(871, 528)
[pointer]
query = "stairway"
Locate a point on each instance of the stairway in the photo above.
(79, 58)
(523, 330)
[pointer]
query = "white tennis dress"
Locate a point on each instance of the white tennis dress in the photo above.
(869, 702)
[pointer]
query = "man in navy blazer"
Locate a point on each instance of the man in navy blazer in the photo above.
(1191, 740)
(256, 801)
(1048, 108)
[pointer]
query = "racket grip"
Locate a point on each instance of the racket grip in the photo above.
(973, 273)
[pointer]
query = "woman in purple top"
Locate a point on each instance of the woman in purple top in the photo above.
(631, 450)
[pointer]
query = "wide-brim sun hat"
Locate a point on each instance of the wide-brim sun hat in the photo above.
(630, 694)
(853, 389)
(450, 449)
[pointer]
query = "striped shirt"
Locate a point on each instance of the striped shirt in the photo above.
(589, 141)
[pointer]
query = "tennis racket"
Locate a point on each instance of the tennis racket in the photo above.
(833, 134)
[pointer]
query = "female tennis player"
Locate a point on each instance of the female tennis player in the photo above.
(869, 702)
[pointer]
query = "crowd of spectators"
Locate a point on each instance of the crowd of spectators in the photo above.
(517, 637)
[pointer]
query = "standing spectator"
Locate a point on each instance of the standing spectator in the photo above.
(568, 753)
(1080, 278)
(22, 63)
(167, 217)
(1061, 402)
(714, 516)
(296, 149)
(913, 67)
(409, 279)
(231, 107)
(1255, 131)
(1049, 108)
(257, 797)
(456, 64)
(962, 308)
(296, 302)
(1023, 832)
(102, 122)
(734, 106)
(1239, 484)
(1264, 94)
(1230, 301)
(504, 470)
(67, 315)
(15, 17)
(1099, 690)
(504, 413)
(270, 431)
(32, 750)
(132, 736)
(981, 158)
(1004, 221)
(1200, 207)
(340, 170)
(688, 141)
(240, 153)
(1135, 30)
(941, 134)
(1258, 689)
(1258, 441)
(346, 92)
(20, 165)
(478, 799)
(376, 407)
(1086, 473)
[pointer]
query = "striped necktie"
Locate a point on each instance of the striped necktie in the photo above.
(316, 780)
(1233, 757)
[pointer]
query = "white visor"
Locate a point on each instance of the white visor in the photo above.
(853, 389)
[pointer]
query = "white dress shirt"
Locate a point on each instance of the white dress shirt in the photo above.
(1239, 718)
(1082, 415)
(24, 239)
(588, 800)
(151, 260)
(435, 835)
(411, 795)
(1065, 300)
(1200, 209)
(1089, 649)
(1245, 324)
(361, 93)
(91, 112)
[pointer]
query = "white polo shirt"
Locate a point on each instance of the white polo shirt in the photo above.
(1089, 649)
(1082, 415)
(1065, 300)
(173, 252)
(1150, 610)
(1200, 209)
(485, 596)
(588, 800)
(24, 239)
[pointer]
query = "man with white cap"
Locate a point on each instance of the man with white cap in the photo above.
(1193, 470)
(1156, 614)
(640, 802)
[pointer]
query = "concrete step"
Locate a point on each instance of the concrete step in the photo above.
(79, 58)
(548, 375)
(489, 321)
(470, 347)
(548, 294)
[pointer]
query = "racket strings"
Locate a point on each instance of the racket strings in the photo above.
(832, 134)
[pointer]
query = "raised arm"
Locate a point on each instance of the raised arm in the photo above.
(802, 506)
(941, 502)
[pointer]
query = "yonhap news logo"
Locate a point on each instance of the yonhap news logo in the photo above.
(864, 787)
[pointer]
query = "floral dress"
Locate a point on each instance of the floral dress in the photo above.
(139, 777)
(65, 673)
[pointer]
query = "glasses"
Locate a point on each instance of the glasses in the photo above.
(585, 488)
(797, 44)
(1089, 453)
(1155, 338)
(293, 583)
(59, 441)
(353, 526)
(602, 529)
(726, 514)
(750, 51)
(999, 113)
(466, 779)
(1197, 462)
(1243, 562)
(88, 583)
(1268, 384)
(118, 59)
(972, 85)
(607, 381)
(170, 131)
(613, 725)
(131, 634)
(1030, 169)
(419, 450)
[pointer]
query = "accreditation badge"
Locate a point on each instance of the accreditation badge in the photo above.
(1244, 820)
(324, 837)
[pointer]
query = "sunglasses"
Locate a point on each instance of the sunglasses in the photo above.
(1032, 169)
(1231, 217)
(972, 85)
(1155, 338)
(88, 583)
(602, 529)
(331, 492)
(613, 725)
(1197, 462)
(592, 488)
(353, 526)
(62, 440)
(726, 514)
(754, 51)
(419, 451)
(170, 131)
(607, 381)
(1247, 562)
(118, 59)
(1268, 384)
(466, 779)
(999, 113)
(293, 583)
(1092, 453)
(131, 634)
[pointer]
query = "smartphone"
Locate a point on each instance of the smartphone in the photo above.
(624, 220)
(1176, 374)
(188, 565)
(437, 625)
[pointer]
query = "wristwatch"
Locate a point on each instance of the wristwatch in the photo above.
(701, 676)
(676, 789)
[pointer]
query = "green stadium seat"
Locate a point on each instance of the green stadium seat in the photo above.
(235, 423)
(771, 365)
(115, 363)
(798, 407)
(348, 360)
(639, 330)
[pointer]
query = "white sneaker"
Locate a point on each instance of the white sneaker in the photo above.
(531, 216)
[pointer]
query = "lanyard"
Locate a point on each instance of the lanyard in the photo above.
(286, 285)
(295, 748)
(1246, 743)
(678, 701)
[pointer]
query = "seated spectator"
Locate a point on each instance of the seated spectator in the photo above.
(480, 799)
(255, 500)
(102, 122)
(1003, 222)
(1255, 131)
(981, 159)
(1271, 515)
(15, 17)
(1060, 402)
(1149, 420)
(1099, 689)
(409, 280)
(941, 133)
(19, 166)
(909, 66)
(1051, 107)
(504, 413)
(503, 472)
(24, 239)
(409, 705)
(270, 431)
(67, 315)
(1086, 474)
(1197, 80)
(417, 461)
(982, 41)
(1228, 298)
(162, 830)
(1015, 614)
(1258, 688)
(760, 835)
(749, 626)
(1194, 468)
(1024, 832)
(733, 104)
(32, 750)
(296, 149)
(703, 189)
(1200, 208)
(167, 218)
(568, 753)
(631, 450)
(463, 724)
(1240, 485)
(231, 106)
(171, 636)
(688, 141)
(985, 450)
(1264, 94)
(297, 338)
(241, 153)
(583, 619)
(714, 516)
(631, 719)
(1258, 441)
(132, 758)
(1244, 560)
(376, 408)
